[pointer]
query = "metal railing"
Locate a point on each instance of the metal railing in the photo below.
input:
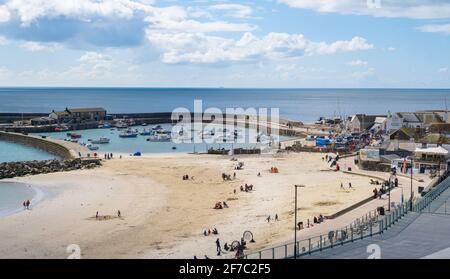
(368, 225)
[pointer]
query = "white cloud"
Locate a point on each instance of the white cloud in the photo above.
(233, 10)
(364, 74)
(201, 48)
(435, 28)
(94, 57)
(357, 63)
(176, 18)
(418, 9)
(3, 41)
(391, 49)
(443, 70)
(28, 11)
(35, 46)
(4, 14)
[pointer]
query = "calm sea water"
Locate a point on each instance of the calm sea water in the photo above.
(12, 196)
(140, 143)
(300, 104)
(13, 152)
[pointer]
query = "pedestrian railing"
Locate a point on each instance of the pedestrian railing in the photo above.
(366, 226)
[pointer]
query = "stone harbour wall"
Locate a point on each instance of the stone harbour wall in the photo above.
(40, 143)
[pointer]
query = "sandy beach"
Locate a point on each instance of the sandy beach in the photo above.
(164, 216)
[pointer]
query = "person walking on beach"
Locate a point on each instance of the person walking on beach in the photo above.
(268, 219)
(276, 217)
(24, 204)
(119, 214)
(218, 248)
(342, 185)
(96, 215)
(350, 185)
(28, 204)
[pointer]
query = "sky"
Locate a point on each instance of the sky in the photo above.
(220, 43)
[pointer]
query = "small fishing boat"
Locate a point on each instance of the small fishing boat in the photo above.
(160, 137)
(144, 124)
(101, 140)
(92, 147)
(145, 133)
(75, 136)
(157, 128)
(128, 134)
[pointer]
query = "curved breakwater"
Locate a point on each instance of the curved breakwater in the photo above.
(56, 149)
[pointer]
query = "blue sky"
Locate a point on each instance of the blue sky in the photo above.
(200, 43)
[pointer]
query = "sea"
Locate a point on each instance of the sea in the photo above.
(297, 104)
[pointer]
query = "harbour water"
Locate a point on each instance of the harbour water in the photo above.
(12, 195)
(140, 143)
(299, 104)
(14, 152)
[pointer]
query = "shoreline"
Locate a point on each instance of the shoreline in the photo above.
(39, 196)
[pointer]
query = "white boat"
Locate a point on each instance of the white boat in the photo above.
(101, 140)
(157, 128)
(145, 132)
(92, 147)
(161, 136)
(128, 134)
(121, 125)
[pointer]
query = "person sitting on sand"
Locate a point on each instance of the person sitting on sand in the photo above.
(215, 231)
(375, 193)
(316, 221)
(226, 247)
(242, 189)
(205, 233)
(342, 185)
(350, 185)
(218, 205)
(268, 219)
(259, 174)
(234, 191)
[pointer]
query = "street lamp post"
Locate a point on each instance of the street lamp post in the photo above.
(295, 225)
(412, 194)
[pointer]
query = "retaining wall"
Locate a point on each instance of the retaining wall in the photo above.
(40, 143)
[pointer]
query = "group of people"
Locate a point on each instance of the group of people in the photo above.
(221, 205)
(186, 177)
(247, 188)
(349, 185)
(108, 156)
(209, 232)
(274, 170)
(316, 220)
(269, 218)
(97, 216)
(26, 204)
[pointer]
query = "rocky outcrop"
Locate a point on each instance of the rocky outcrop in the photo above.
(16, 169)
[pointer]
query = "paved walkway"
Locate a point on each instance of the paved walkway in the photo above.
(425, 235)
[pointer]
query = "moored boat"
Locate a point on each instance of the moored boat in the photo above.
(101, 140)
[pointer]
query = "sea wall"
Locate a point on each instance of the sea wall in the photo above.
(40, 143)
(17, 169)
